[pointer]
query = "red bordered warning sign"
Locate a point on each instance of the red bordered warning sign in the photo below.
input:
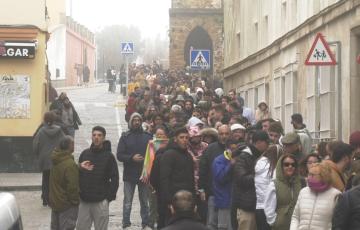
(320, 53)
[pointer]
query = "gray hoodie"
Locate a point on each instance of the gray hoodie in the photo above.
(45, 141)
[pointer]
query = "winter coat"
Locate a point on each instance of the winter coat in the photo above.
(132, 142)
(44, 143)
(176, 172)
(280, 199)
(244, 193)
(185, 222)
(103, 181)
(347, 211)
(262, 180)
(305, 139)
(155, 170)
(314, 211)
(205, 175)
(221, 171)
(196, 152)
(337, 178)
(64, 181)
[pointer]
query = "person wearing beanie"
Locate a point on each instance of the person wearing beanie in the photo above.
(131, 151)
(315, 205)
(238, 132)
(98, 180)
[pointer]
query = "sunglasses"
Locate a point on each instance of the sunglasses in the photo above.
(286, 165)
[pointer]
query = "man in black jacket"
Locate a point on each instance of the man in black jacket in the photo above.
(205, 172)
(99, 182)
(176, 168)
(131, 151)
(183, 212)
(244, 193)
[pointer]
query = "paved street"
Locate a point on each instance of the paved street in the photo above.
(96, 107)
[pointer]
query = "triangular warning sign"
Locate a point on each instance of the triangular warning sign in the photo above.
(127, 48)
(200, 61)
(320, 53)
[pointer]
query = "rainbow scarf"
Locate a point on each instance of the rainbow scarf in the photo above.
(152, 147)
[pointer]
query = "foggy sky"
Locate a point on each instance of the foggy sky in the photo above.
(151, 16)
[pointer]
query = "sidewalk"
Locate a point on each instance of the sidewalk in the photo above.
(20, 181)
(59, 89)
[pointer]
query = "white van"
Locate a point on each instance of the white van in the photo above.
(10, 218)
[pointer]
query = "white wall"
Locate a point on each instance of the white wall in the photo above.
(27, 12)
(56, 52)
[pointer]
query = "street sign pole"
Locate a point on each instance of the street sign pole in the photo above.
(127, 75)
(127, 48)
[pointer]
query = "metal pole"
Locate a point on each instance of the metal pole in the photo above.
(127, 75)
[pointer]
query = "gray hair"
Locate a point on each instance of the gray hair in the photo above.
(66, 142)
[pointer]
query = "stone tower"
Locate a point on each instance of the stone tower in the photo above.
(196, 24)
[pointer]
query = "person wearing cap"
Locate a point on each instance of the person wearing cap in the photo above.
(292, 145)
(131, 151)
(99, 182)
(180, 100)
(262, 112)
(238, 132)
(196, 148)
(244, 193)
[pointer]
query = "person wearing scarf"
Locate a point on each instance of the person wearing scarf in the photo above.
(316, 203)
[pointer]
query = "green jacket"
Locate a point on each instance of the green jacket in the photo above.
(64, 181)
(287, 192)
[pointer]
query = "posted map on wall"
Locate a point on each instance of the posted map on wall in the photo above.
(14, 96)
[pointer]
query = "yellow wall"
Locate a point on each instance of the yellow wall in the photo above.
(35, 68)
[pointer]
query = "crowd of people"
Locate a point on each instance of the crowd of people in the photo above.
(201, 159)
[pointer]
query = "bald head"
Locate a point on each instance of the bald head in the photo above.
(183, 201)
(224, 133)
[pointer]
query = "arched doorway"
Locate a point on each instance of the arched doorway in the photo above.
(198, 39)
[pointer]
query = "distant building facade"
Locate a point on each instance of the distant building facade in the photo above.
(266, 44)
(196, 24)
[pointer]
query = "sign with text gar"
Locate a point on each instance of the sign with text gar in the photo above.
(200, 59)
(19, 50)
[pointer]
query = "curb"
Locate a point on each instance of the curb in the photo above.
(79, 87)
(21, 188)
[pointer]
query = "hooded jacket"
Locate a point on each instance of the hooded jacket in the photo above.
(103, 181)
(44, 142)
(337, 178)
(221, 171)
(64, 181)
(305, 139)
(130, 143)
(244, 193)
(176, 172)
(281, 197)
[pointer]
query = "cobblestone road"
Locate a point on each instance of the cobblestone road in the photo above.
(96, 107)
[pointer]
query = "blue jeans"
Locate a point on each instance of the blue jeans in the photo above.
(129, 190)
(212, 216)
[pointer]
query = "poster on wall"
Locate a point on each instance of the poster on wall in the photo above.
(14, 96)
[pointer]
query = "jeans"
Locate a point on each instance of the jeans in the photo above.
(45, 187)
(212, 221)
(153, 209)
(129, 190)
(224, 219)
(65, 219)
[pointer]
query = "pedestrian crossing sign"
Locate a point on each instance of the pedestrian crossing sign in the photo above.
(127, 48)
(200, 59)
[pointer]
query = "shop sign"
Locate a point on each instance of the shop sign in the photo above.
(18, 50)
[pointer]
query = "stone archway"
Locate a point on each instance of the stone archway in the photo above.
(199, 39)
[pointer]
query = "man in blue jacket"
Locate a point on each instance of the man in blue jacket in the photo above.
(221, 171)
(131, 151)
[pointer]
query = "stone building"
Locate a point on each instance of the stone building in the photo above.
(266, 44)
(196, 24)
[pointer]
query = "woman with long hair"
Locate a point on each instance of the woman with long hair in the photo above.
(282, 193)
(264, 173)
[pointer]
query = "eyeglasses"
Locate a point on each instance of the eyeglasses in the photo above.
(286, 165)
